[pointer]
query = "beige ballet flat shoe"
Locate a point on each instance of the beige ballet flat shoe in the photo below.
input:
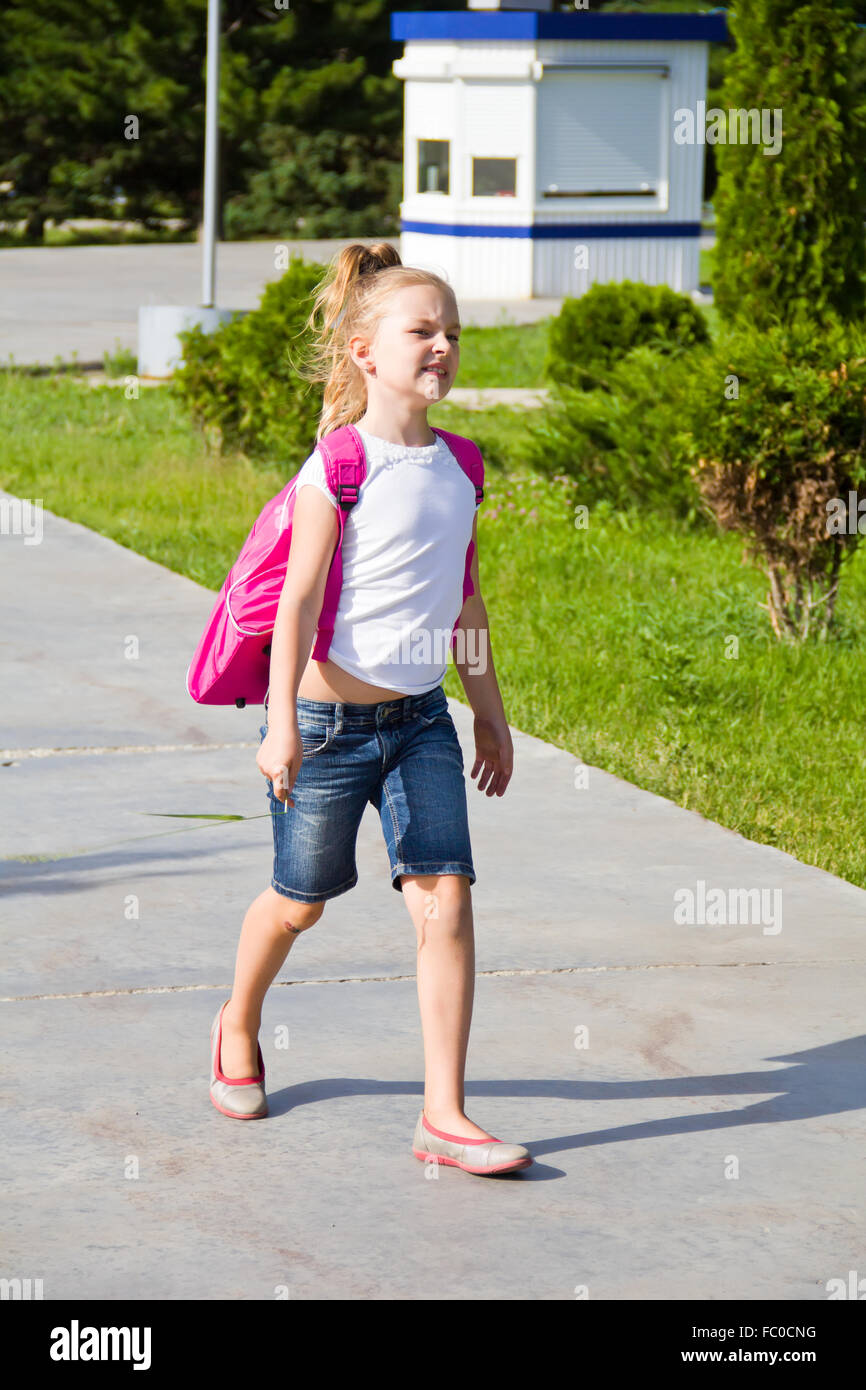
(484, 1156)
(244, 1098)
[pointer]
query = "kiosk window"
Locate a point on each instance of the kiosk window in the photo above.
(494, 178)
(433, 162)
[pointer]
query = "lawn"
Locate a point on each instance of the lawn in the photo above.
(612, 642)
(514, 352)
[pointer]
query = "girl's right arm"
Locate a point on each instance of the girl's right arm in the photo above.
(315, 532)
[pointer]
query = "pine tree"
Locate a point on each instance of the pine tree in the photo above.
(324, 156)
(106, 98)
(310, 113)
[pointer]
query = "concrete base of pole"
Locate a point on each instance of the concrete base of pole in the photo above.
(159, 351)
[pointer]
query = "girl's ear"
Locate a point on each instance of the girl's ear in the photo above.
(359, 351)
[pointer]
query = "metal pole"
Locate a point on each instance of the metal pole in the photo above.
(211, 153)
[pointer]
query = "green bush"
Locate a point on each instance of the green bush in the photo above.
(591, 334)
(622, 443)
(242, 378)
(774, 429)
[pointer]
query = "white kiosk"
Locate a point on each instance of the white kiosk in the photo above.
(539, 146)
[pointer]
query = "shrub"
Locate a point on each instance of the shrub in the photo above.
(621, 444)
(775, 433)
(242, 378)
(121, 362)
(594, 332)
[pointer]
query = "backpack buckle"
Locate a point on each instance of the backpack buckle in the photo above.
(347, 487)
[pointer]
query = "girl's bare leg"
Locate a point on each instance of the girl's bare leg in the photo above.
(270, 928)
(440, 905)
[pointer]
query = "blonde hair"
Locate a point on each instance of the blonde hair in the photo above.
(351, 298)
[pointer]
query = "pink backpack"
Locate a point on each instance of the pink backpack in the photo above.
(231, 665)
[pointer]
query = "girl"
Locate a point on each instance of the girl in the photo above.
(364, 726)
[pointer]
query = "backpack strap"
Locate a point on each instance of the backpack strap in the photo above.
(468, 455)
(345, 470)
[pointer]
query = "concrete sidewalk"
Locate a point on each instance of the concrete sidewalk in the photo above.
(695, 1148)
(79, 302)
(84, 300)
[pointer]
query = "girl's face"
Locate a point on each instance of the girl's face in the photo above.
(415, 351)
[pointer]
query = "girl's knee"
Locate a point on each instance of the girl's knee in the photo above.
(296, 916)
(454, 889)
(300, 916)
(439, 897)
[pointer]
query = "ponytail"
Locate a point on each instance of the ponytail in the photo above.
(350, 299)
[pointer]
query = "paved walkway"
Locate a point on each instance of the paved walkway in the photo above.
(469, 397)
(79, 302)
(695, 1147)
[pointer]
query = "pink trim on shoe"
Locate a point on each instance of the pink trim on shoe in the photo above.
(455, 1138)
(230, 1080)
(468, 1168)
(236, 1114)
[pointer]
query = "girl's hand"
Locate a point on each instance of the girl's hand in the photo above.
(279, 758)
(494, 754)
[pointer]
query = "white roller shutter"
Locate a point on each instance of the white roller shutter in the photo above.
(600, 131)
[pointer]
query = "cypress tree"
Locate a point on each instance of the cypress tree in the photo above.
(791, 225)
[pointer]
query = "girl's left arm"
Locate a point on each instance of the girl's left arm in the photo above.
(494, 752)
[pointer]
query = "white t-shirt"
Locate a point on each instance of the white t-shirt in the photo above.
(404, 558)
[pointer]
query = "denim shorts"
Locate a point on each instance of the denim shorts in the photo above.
(401, 755)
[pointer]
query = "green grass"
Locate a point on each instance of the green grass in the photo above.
(609, 642)
(134, 470)
(707, 258)
(11, 238)
(512, 352)
(121, 362)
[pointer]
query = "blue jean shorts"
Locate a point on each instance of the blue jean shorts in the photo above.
(401, 755)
